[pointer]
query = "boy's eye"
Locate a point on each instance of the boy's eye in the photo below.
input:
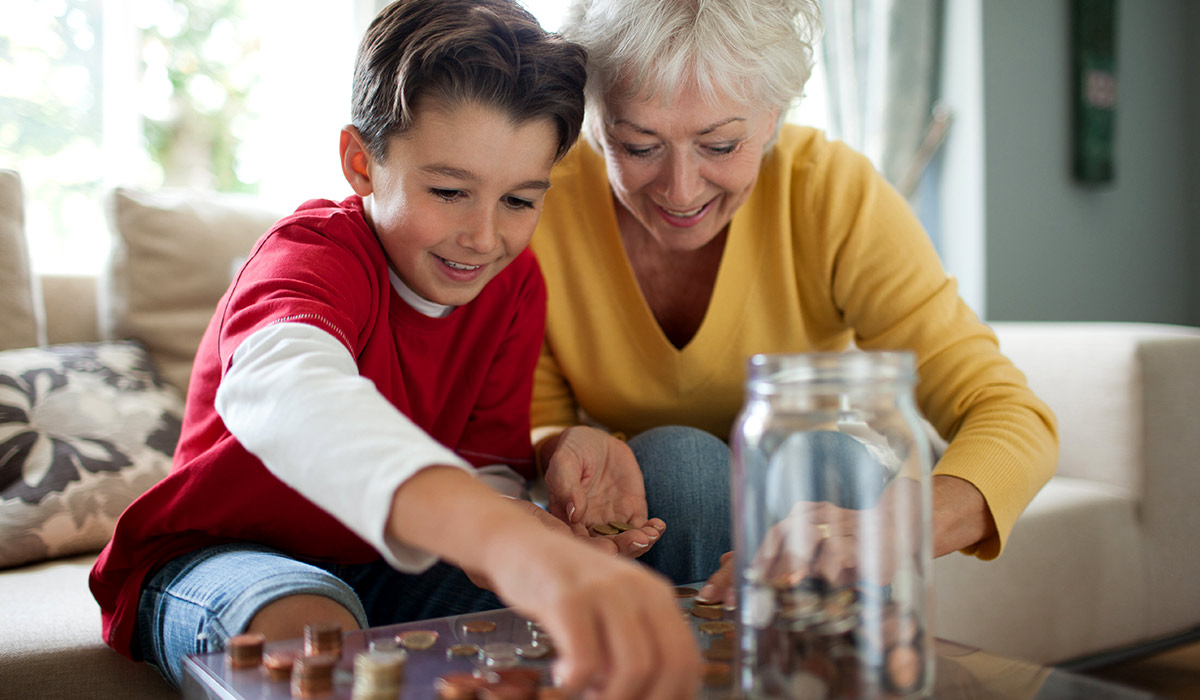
(448, 195)
(518, 203)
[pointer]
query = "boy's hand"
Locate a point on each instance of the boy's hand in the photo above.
(616, 625)
(593, 479)
(604, 545)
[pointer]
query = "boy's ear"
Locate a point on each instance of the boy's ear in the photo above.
(356, 161)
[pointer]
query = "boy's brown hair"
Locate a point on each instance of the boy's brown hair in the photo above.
(488, 51)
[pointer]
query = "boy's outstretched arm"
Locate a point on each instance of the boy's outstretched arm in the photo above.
(616, 624)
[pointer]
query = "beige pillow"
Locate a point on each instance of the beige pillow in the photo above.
(174, 255)
(18, 318)
(84, 430)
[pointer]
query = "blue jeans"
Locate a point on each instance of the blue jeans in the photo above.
(200, 599)
(687, 474)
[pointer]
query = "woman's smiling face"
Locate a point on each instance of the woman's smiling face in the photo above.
(681, 167)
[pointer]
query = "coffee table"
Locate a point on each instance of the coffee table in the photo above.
(961, 671)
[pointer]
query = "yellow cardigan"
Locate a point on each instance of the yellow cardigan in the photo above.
(823, 252)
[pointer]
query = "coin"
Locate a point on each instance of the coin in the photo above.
(620, 526)
(244, 650)
(718, 653)
(479, 626)
(321, 638)
(708, 613)
(685, 592)
(716, 627)
(460, 650)
(605, 529)
(714, 673)
(535, 652)
(458, 686)
(378, 672)
(417, 640)
(279, 664)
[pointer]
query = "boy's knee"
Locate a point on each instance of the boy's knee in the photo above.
(286, 617)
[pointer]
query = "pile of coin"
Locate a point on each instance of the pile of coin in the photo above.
(378, 675)
(312, 676)
(323, 639)
(809, 640)
(497, 684)
(244, 650)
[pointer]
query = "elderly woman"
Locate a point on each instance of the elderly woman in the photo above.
(695, 229)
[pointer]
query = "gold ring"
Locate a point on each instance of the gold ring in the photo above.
(824, 529)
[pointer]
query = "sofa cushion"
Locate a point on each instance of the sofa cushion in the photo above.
(18, 318)
(50, 644)
(174, 255)
(84, 429)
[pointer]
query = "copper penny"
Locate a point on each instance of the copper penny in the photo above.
(460, 650)
(605, 529)
(244, 650)
(716, 627)
(708, 613)
(685, 592)
(417, 640)
(479, 626)
(278, 664)
(458, 686)
(620, 525)
(716, 674)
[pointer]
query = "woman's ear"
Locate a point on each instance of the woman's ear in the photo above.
(356, 161)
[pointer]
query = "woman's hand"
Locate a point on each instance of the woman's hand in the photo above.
(616, 624)
(593, 479)
(840, 546)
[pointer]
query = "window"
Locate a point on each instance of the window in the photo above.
(229, 95)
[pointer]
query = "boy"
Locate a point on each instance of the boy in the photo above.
(368, 355)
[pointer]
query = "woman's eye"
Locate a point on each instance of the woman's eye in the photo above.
(518, 203)
(637, 151)
(447, 195)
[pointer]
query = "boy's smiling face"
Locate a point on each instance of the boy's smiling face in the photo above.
(457, 197)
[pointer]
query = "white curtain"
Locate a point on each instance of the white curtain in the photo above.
(881, 61)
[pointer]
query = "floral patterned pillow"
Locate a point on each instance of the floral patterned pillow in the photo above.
(84, 429)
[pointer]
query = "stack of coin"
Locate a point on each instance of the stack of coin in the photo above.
(378, 675)
(323, 639)
(312, 676)
(458, 686)
(244, 650)
(278, 664)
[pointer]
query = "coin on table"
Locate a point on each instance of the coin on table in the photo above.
(713, 673)
(458, 686)
(685, 592)
(244, 650)
(620, 526)
(536, 652)
(716, 626)
(417, 640)
(605, 529)
(461, 650)
(479, 627)
(707, 613)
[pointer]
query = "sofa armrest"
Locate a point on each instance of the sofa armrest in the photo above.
(1095, 377)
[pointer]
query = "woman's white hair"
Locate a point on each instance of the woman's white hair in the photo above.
(759, 52)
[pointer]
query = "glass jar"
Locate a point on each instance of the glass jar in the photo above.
(832, 541)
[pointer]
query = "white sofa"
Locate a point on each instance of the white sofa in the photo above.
(1105, 559)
